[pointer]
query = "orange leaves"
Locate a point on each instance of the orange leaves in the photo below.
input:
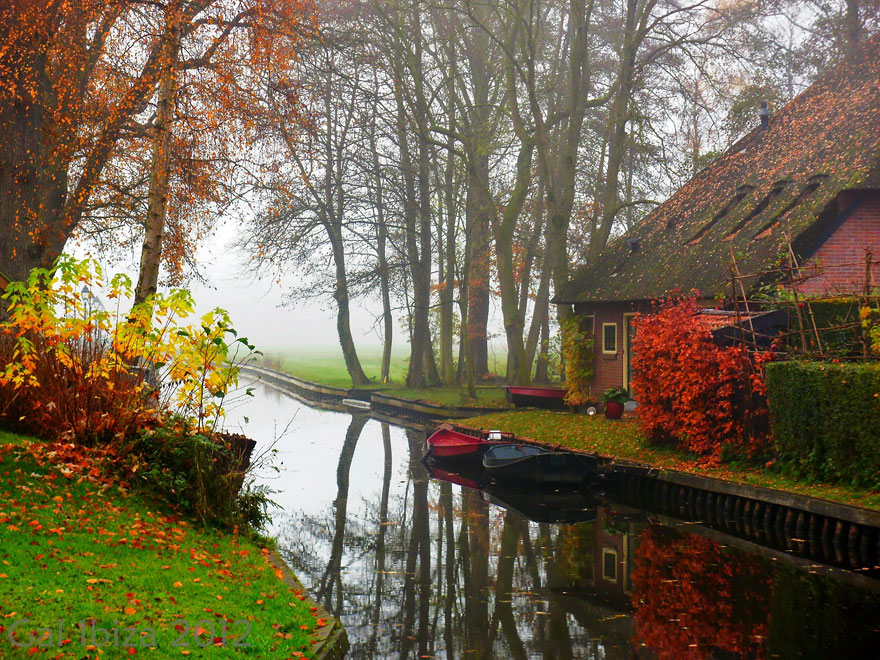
(692, 392)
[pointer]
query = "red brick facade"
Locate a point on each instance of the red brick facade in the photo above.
(840, 261)
(608, 367)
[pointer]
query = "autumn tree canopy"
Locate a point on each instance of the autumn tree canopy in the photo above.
(78, 95)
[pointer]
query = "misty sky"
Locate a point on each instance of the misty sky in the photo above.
(257, 309)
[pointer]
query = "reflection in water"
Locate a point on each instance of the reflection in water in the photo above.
(416, 567)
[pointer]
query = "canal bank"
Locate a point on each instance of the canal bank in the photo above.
(382, 403)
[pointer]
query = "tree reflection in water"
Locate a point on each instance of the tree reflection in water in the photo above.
(421, 568)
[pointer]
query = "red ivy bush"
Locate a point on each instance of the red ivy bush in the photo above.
(693, 393)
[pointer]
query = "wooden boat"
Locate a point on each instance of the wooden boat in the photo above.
(518, 463)
(552, 398)
(446, 443)
(356, 404)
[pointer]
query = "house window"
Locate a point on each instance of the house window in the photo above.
(609, 564)
(609, 338)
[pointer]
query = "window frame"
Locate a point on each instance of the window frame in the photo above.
(616, 343)
(606, 552)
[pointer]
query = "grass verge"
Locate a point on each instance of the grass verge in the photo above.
(624, 439)
(87, 567)
(328, 368)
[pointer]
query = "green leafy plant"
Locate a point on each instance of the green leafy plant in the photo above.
(615, 394)
(577, 351)
(199, 474)
(825, 419)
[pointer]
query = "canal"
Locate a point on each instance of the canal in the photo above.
(417, 567)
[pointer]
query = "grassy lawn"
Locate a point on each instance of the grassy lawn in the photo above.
(327, 367)
(623, 439)
(487, 397)
(76, 546)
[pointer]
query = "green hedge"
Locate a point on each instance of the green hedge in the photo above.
(825, 419)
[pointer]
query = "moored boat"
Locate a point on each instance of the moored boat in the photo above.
(518, 463)
(447, 443)
(536, 397)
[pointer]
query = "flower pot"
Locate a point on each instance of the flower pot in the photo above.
(613, 410)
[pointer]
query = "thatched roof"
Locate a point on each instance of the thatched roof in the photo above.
(786, 178)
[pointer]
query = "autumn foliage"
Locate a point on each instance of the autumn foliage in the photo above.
(693, 600)
(577, 349)
(693, 393)
(76, 371)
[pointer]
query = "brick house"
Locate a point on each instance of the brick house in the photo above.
(810, 171)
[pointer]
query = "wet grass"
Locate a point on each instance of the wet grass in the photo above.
(76, 546)
(623, 439)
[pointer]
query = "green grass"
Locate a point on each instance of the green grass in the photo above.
(326, 367)
(487, 397)
(77, 546)
(623, 439)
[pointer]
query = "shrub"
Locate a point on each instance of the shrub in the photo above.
(77, 371)
(825, 419)
(200, 474)
(693, 393)
(577, 349)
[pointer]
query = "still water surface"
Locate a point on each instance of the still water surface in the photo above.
(416, 567)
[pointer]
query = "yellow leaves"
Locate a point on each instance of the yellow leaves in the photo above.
(178, 584)
(63, 338)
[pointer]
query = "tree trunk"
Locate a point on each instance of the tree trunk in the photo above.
(617, 140)
(514, 321)
(34, 186)
(479, 258)
(157, 200)
(542, 368)
(448, 290)
(853, 26)
(384, 275)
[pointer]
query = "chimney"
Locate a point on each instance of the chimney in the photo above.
(764, 114)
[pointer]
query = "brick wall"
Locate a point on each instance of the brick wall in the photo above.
(608, 368)
(840, 261)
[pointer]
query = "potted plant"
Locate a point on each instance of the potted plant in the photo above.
(614, 399)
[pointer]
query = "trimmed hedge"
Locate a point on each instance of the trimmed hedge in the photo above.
(825, 419)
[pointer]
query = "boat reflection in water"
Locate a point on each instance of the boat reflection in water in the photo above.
(458, 567)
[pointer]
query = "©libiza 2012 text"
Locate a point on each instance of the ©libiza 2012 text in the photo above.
(23, 633)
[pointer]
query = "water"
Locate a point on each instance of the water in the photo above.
(416, 567)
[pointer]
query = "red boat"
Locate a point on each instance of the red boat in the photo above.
(448, 443)
(536, 397)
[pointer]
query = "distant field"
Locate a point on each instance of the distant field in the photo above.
(326, 366)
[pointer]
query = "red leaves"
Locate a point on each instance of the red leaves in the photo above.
(692, 392)
(685, 593)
